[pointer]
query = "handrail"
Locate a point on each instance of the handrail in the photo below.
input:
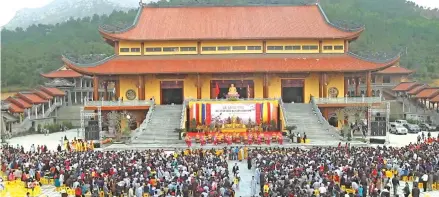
(183, 115)
(348, 100)
(243, 99)
(119, 103)
(145, 122)
(322, 119)
(281, 105)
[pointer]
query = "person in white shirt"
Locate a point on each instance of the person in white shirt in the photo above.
(322, 189)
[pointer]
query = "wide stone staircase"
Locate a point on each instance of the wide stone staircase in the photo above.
(303, 117)
(160, 128)
(71, 114)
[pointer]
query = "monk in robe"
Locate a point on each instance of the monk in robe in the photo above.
(202, 140)
(280, 139)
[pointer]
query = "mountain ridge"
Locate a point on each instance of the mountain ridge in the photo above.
(59, 11)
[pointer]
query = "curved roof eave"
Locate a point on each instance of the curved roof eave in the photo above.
(385, 63)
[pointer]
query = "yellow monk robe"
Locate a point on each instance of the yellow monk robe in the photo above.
(241, 155)
(389, 174)
(92, 147)
(245, 152)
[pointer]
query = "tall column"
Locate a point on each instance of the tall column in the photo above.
(82, 98)
(325, 85)
(42, 106)
(320, 85)
(105, 90)
(95, 88)
(265, 86)
(141, 81)
(198, 87)
(357, 86)
(76, 100)
(368, 84)
(117, 90)
(346, 87)
(80, 80)
(36, 111)
(116, 47)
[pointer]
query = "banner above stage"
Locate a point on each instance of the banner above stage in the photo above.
(243, 111)
(223, 112)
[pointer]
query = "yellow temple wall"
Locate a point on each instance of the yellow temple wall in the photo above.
(231, 44)
(292, 43)
(152, 88)
(337, 81)
(127, 44)
(127, 83)
(258, 86)
(170, 44)
(205, 86)
(190, 88)
(274, 87)
(332, 43)
(311, 87)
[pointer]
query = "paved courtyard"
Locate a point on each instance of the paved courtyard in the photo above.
(53, 140)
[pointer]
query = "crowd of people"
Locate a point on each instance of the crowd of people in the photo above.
(289, 172)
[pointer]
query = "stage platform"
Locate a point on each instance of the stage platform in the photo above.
(244, 133)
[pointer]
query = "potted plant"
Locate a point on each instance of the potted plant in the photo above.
(179, 131)
(273, 125)
(193, 125)
(290, 129)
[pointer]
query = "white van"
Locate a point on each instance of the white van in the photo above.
(401, 122)
(397, 129)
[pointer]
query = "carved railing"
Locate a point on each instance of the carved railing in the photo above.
(348, 100)
(119, 103)
(321, 119)
(243, 99)
(282, 109)
(183, 115)
(145, 122)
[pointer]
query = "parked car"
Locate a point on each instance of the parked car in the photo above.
(427, 127)
(397, 129)
(401, 122)
(412, 128)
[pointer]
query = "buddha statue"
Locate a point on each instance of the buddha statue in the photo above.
(233, 93)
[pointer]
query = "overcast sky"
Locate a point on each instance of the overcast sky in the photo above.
(9, 7)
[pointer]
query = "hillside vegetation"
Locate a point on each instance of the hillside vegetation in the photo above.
(391, 26)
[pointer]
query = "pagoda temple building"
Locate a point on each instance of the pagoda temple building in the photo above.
(77, 87)
(294, 53)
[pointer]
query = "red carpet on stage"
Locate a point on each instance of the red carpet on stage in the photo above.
(269, 133)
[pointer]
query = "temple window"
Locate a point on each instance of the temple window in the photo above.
(208, 48)
(135, 49)
(373, 79)
(386, 79)
(188, 48)
(310, 47)
(338, 47)
(224, 48)
(254, 48)
(327, 47)
(124, 49)
(238, 48)
(292, 47)
(170, 49)
(155, 49)
(275, 48)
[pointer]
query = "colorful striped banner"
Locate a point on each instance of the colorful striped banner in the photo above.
(198, 114)
(269, 112)
(258, 113)
(208, 114)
